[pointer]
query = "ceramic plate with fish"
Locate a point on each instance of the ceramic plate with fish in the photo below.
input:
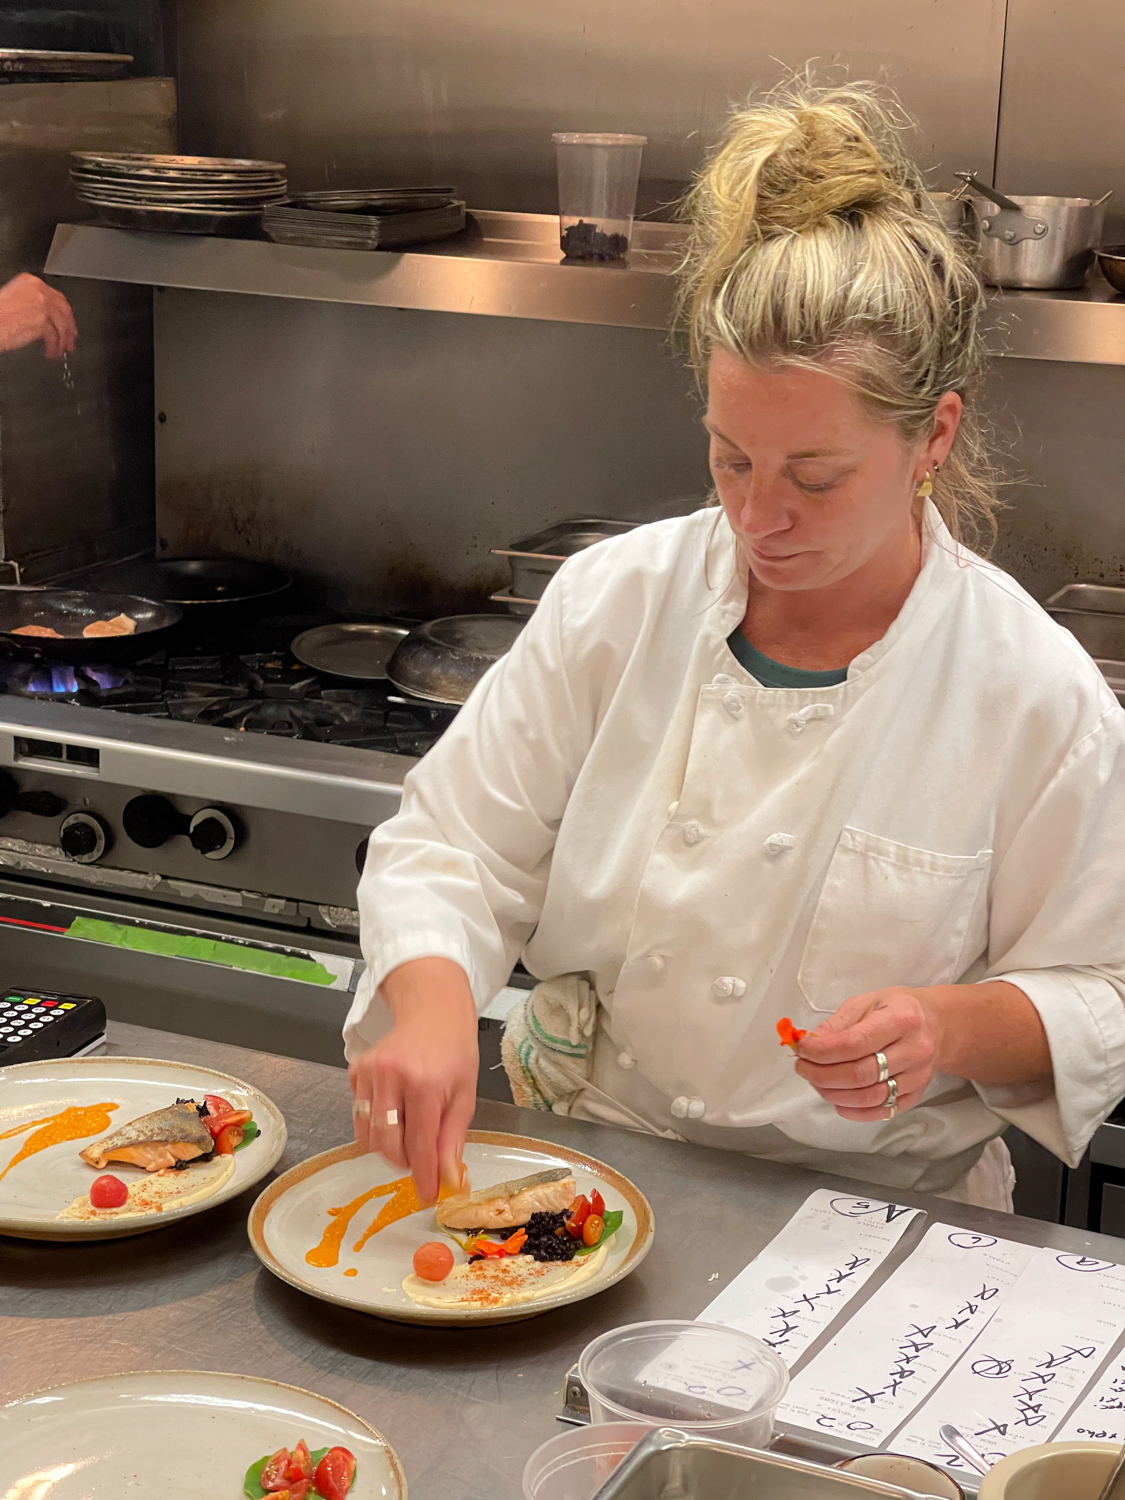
(343, 1226)
(176, 1432)
(122, 1113)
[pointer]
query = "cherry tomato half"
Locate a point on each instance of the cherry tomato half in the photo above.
(433, 1261)
(108, 1192)
(300, 1464)
(228, 1138)
(597, 1204)
(579, 1213)
(272, 1477)
(216, 1124)
(593, 1229)
(334, 1474)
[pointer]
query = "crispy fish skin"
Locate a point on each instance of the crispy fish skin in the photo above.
(154, 1141)
(509, 1204)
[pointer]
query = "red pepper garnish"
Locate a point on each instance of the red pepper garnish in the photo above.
(497, 1249)
(789, 1034)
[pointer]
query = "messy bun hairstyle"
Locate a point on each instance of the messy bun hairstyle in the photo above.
(812, 240)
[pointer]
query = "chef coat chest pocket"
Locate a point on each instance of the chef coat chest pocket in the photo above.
(890, 914)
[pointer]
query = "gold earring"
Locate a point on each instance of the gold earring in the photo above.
(926, 488)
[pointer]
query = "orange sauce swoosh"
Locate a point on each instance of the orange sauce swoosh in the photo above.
(68, 1125)
(404, 1201)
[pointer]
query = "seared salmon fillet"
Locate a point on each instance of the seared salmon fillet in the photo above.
(510, 1204)
(119, 625)
(154, 1141)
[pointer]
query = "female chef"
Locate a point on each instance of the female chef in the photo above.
(805, 754)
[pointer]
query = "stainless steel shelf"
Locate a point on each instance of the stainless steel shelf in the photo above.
(505, 265)
(508, 265)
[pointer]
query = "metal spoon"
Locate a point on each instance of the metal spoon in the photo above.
(972, 1456)
(970, 179)
(1114, 1487)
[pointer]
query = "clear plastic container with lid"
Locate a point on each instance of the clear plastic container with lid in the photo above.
(702, 1378)
(598, 177)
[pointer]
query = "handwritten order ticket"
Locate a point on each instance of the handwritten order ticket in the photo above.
(803, 1278)
(1020, 1378)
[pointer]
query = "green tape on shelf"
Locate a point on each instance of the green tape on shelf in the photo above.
(206, 950)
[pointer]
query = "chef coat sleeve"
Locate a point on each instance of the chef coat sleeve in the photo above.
(1057, 932)
(461, 871)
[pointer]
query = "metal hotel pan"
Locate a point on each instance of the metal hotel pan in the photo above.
(535, 559)
(69, 611)
(1095, 614)
(670, 1463)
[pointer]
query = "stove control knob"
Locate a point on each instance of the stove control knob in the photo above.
(82, 838)
(213, 833)
(39, 804)
(151, 821)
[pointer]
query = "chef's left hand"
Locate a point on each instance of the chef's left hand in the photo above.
(838, 1058)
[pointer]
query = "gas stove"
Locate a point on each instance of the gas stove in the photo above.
(198, 818)
(257, 691)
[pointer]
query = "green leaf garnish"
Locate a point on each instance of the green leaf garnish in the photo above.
(613, 1221)
(250, 1132)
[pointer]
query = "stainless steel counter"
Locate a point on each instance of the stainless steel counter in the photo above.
(463, 1409)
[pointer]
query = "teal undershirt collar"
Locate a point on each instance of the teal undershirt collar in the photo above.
(775, 674)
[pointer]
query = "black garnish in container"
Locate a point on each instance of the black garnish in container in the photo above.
(547, 1238)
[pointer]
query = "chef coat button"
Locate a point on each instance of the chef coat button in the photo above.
(777, 843)
(800, 720)
(656, 962)
(680, 1107)
(692, 833)
(728, 986)
(733, 705)
(723, 679)
(696, 1109)
(626, 1060)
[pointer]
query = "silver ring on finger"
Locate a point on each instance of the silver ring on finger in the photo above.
(892, 1098)
(391, 1118)
(361, 1109)
(884, 1067)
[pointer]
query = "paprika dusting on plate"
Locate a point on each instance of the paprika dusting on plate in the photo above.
(790, 1035)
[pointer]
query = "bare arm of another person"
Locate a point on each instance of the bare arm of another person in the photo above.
(31, 311)
(421, 1079)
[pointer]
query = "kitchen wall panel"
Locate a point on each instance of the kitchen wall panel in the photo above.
(1062, 113)
(396, 91)
(385, 452)
(1061, 430)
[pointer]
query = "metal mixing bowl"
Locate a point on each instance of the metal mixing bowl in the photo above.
(1111, 263)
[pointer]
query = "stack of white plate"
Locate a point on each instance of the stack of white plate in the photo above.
(177, 194)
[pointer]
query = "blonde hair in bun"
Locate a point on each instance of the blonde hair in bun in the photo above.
(812, 240)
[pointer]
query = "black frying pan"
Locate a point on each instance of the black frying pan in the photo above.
(68, 611)
(209, 582)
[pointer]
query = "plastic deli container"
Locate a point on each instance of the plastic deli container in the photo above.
(699, 1377)
(597, 193)
(575, 1465)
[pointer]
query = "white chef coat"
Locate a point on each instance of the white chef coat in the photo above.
(620, 797)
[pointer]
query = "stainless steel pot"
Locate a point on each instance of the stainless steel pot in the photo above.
(1041, 242)
(956, 212)
(534, 560)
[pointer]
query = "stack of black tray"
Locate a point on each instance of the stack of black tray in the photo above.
(365, 218)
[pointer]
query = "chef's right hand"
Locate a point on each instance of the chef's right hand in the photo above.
(31, 310)
(422, 1076)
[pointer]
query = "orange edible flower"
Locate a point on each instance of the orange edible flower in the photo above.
(789, 1033)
